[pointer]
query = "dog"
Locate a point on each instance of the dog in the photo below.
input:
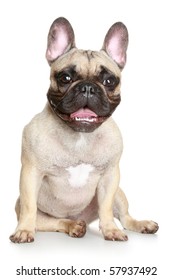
(71, 150)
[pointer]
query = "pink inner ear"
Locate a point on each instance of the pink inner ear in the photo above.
(58, 46)
(116, 51)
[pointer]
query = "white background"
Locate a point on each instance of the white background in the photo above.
(144, 116)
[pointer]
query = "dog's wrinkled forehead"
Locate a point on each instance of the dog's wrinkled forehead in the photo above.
(87, 63)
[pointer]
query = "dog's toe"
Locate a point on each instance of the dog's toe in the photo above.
(149, 227)
(77, 229)
(115, 235)
(22, 236)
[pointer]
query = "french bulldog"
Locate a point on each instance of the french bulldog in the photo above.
(71, 150)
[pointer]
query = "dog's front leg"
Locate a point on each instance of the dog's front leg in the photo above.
(106, 191)
(30, 181)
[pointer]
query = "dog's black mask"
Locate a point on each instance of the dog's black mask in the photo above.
(84, 106)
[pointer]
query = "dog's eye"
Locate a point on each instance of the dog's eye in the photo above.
(111, 81)
(64, 78)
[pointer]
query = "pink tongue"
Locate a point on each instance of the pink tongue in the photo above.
(83, 113)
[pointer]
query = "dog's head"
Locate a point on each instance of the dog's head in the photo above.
(85, 85)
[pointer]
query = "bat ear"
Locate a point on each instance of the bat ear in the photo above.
(116, 42)
(60, 39)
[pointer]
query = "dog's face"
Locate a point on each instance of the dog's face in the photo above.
(85, 85)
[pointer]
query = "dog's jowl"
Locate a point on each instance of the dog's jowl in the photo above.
(71, 150)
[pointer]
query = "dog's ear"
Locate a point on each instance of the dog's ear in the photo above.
(116, 42)
(60, 39)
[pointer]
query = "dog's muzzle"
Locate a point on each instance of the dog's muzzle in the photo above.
(84, 107)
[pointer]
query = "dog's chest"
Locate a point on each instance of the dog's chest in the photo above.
(79, 157)
(73, 168)
(67, 191)
(78, 175)
(74, 175)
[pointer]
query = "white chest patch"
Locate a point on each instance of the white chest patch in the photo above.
(79, 174)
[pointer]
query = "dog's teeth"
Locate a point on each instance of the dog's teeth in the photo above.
(84, 119)
(77, 119)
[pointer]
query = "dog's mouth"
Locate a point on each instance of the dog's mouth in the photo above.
(82, 120)
(83, 115)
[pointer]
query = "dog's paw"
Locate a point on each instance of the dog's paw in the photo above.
(22, 236)
(77, 229)
(115, 235)
(148, 227)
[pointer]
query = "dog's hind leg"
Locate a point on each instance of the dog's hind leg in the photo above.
(44, 222)
(129, 223)
(74, 228)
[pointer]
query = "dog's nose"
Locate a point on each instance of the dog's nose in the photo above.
(88, 90)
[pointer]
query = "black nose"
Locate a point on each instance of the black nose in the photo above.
(88, 90)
